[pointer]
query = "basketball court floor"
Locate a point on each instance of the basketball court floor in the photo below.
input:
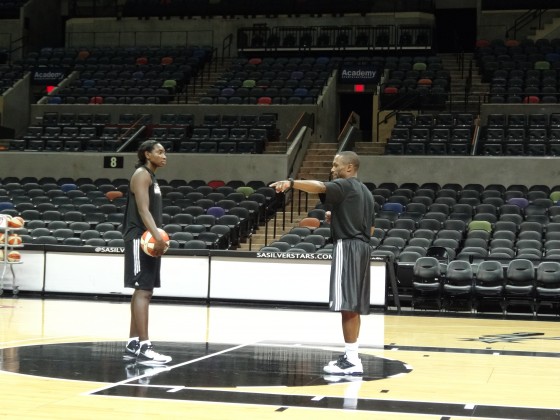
(62, 359)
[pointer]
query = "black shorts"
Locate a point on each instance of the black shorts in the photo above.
(140, 270)
(350, 277)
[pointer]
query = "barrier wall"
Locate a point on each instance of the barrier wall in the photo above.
(210, 275)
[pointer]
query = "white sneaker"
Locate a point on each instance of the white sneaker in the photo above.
(344, 367)
(131, 350)
(147, 356)
(342, 378)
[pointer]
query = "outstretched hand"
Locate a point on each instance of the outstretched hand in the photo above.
(280, 186)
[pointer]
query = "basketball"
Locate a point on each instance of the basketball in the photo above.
(14, 240)
(14, 256)
(16, 222)
(147, 241)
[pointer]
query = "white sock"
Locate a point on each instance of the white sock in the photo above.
(148, 342)
(131, 339)
(351, 350)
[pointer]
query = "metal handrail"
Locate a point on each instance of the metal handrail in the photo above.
(136, 123)
(525, 19)
(226, 47)
(346, 139)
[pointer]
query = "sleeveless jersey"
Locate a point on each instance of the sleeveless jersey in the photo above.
(133, 226)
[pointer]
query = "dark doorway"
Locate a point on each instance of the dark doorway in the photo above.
(361, 104)
(455, 30)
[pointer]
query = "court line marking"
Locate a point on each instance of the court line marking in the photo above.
(42, 340)
(318, 398)
(168, 368)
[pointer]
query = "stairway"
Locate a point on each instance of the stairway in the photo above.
(316, 165)
(197, 89)
(550, 29)
(459, 80)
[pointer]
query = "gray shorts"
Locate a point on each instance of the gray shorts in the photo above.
(350, 277)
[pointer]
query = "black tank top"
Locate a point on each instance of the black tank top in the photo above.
(133, 227)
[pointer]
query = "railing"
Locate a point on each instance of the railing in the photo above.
(413, 101)
(396, 105)
(138, 38)
(295, 139)
(226, 47)
(17, 45)
(261, 38)
(468, 82)
(351, 129)
(525, 19)
(136, 129)
(5, 40)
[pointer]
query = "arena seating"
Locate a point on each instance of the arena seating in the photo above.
(90, 212)
(432, 134)
(477, 225)
(520, 71)
(520, 134)
(119, 75)
(71, 132)
(285, 80)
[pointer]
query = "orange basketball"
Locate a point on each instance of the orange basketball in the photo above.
(14, 240)
(16, 222)
(14, 256)
(147, 241)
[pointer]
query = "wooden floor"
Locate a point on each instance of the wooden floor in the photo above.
(62, 359)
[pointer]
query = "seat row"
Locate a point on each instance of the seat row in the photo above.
(263, 120)
(69, 184)
(507, 286)
(215, 239)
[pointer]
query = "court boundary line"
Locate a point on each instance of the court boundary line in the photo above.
(171, 367)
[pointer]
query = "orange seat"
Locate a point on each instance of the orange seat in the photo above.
(111, 195)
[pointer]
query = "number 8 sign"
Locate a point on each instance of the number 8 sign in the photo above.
(113, 162)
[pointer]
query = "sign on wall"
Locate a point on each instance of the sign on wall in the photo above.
(47, 76)
(358, 75)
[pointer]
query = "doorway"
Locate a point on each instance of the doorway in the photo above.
(455, 30)
(361, 104)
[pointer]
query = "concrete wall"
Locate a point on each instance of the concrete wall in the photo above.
(461, 169)
(420, 169)
(180, 166)
(208, 31)
(39, 22)
(494, 24)
(14, 107)
(10, 30)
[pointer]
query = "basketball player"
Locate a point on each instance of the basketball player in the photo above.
(351, 206)
(141, 271)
